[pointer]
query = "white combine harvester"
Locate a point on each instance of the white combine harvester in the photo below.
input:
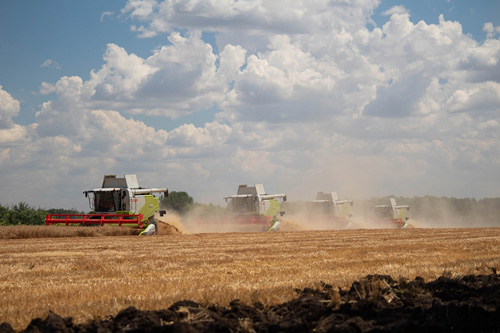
(251, 209)
(329, 208)
(119, 201)
(392, 215)
(253, 206)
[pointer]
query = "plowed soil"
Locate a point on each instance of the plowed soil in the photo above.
(422, 280)
(373, 304)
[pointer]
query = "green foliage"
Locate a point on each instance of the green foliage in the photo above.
(179, 202)
(3, 214)
(22, 214)
(64, 211)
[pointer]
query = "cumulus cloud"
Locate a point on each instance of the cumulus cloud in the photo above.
(490, 29)
(480, 100)
(11, 134)
(9, 107)
(247, 23)
(401, 10)
(176, 80)
(309, 97)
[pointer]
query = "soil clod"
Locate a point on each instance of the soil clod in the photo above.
(376, 303)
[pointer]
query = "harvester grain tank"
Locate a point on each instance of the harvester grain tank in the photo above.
(392, 215)
(327, 206)
(119, 201)
(253, 206)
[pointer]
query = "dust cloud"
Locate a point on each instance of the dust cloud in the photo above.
(201, 220)
(424, 212)
(169, 224)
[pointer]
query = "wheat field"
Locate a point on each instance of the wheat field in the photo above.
(95, 277)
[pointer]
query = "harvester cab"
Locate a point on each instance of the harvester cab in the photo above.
(119, 201)
(394, 214)
(330, 207)
(253, 206)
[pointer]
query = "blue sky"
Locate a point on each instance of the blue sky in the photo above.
(70, 33)
(471, 14)
(250, 93)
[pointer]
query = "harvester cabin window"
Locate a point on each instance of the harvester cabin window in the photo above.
(107, 201)
(242, 205)
(383, 212)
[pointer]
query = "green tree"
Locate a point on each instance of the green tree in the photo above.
(3, 215)
(64, 211)
(23, 214)
(179, 202)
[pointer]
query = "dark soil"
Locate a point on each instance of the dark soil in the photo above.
(376, 303)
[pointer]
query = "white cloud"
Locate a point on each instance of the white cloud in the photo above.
(400, 10)
(310, 100)
(480, 99)
(120, 76)
(106, 13)
(11, 134)
(140, 9)
(15, 135)
(175, 80)
(491, 30)
(489, 124)
(247, 22)
(65, 115)
(9, 107)
(50, 62)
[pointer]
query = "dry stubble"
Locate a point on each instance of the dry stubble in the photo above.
(95, 277)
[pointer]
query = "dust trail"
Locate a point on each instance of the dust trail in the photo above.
(304, 221)
(169, 224)
(218, 224)
(291, 225)
(215, 219)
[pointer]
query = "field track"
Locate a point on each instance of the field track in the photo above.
(94, 277)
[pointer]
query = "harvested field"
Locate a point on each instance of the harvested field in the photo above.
(29, 231)
(96, 277)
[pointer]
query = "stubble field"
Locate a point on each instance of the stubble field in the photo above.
(95, 277)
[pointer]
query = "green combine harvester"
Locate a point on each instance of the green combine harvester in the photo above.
(394, 216)
(120, 201)
(250, 210)
(328, 208)
(252, 206)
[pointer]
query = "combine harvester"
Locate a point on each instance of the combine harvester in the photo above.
(251, 209)
(120, 201)
(328, 208)
(253, 206)
(392, 215)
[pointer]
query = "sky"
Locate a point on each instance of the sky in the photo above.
(363, 97)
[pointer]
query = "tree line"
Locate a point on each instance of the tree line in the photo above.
(23, 214)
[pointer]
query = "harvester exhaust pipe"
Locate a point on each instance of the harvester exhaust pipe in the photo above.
(273, 196)
(149, 190)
